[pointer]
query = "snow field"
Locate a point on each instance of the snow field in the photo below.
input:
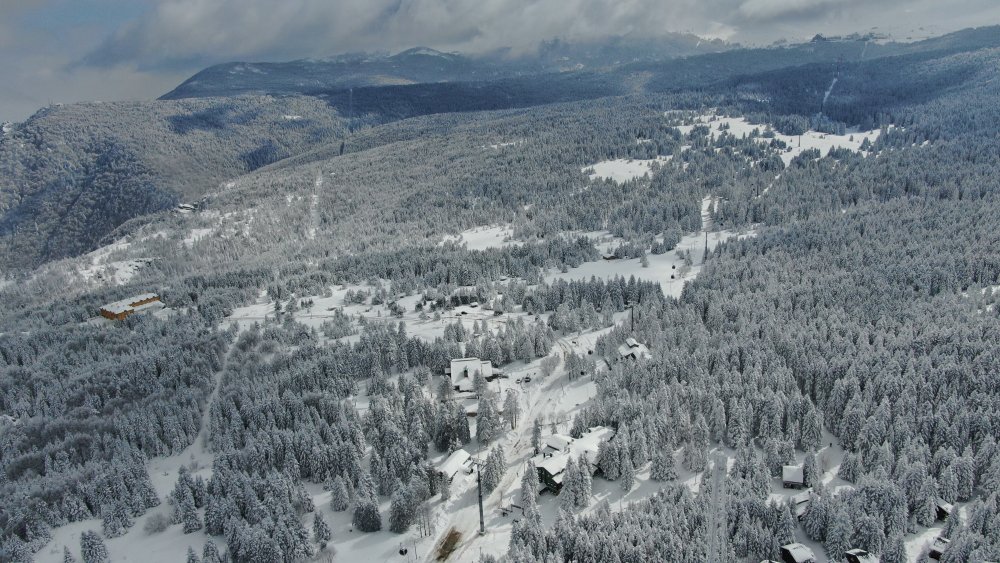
(482, 238)
(622, 170)
(739, 127)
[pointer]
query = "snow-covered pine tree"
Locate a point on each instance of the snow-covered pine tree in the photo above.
(190, 518)
(321, 530)
(585, 490)
(536, 436)
(895, 551)
(444, 487)
(570, 484)
(92, 548)
(628, 474)
(366, 516)
(210, 553)
(511, 409)
(192, 557)
(400, 512)
(488, 422)
(609, 460)
(810, 470)
(663, 467)
(839, 532)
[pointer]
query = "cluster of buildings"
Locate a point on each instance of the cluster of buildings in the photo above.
(798, 553)
(558, 449)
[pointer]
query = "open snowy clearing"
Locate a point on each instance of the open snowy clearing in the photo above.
(482, 238)
(622, 170)
(739, 127)
(667, 269)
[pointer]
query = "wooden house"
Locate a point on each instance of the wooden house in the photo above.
(859, 556)
(633, 350)
(121, 309)
(797, 553)
(792, 477)
(937, 548)
(559, 449)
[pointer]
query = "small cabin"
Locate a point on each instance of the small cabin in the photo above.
(633, 350)
(797, 553)
(859, 556)
(462, 371)
(943, 509)
(793, 477)
(119, 310)
(937, 547)
(800, 503)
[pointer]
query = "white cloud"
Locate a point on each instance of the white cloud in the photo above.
(147, 52)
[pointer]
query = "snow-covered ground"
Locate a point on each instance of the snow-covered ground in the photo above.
(194, 235)
(482, 238)
(668, 269)
(101, 267)
(622, 169)
(739, 127)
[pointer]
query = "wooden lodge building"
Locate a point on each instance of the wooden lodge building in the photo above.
(119, 310)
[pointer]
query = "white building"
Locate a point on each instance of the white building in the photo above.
(463, 370)
(632, 349)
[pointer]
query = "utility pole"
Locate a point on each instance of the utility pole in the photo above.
(479, 485)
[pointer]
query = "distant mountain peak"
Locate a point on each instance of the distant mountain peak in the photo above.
(424, 51)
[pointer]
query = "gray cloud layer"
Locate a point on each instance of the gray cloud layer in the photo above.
(143, 56)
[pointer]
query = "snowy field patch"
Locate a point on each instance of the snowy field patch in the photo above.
(194, 235)
(622, 169)
(739, 127)
(482, 238)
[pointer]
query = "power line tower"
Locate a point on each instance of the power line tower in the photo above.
(718, 521)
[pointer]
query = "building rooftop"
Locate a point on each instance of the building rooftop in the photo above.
(792, 474)
(119, 307)
(862, 556)
(554, 462)
(799, 553)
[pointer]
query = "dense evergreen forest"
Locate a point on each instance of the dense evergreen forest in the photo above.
(862, 311)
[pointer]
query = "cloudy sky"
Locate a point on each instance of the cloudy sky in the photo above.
(71, 50)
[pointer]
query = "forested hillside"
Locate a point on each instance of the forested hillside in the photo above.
(73, 174)
(726, 265)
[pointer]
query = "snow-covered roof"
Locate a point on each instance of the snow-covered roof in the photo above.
(792, 474)
(799, 553)
(119, 307)
(634, 350)
(558, 442)
(589, 443)
(458, 460)
(945, 506)
(862, 556)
